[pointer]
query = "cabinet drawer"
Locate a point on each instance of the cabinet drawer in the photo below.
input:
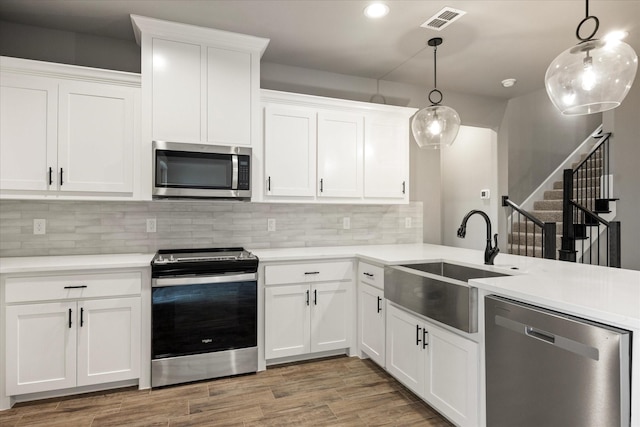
(43, 288)
(307, 273)
(371, 274)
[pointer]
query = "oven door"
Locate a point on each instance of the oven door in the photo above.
(203, 314)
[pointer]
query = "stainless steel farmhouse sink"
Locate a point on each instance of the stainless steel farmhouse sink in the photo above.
(437, 290)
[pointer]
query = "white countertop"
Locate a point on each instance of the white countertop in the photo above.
(14, 265)
(608, 295)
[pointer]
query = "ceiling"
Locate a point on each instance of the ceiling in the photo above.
(493, 41)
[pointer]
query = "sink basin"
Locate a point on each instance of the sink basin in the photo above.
(437, 290)
(453, 271)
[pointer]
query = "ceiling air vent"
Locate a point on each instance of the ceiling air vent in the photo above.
(443, 18)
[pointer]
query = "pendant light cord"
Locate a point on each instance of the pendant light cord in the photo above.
(435, 67)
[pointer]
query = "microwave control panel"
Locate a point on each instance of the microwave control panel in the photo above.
(244, 176)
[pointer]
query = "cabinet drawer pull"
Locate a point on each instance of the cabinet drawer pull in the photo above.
(50, 175)
(311, 272)
(379, 301)
(75, 287)
(425, 336)
(61, 174)
(81, 316)
(315, 297)
(418, 334)
(69, 318)
(368, 274)
(307, 297)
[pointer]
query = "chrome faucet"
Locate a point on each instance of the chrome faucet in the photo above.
(490, 251)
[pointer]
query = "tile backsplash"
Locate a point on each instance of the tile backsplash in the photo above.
(85, 227)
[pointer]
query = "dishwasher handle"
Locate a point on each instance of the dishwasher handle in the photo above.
(541, 335)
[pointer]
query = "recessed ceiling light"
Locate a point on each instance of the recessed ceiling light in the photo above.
(376, 10)
(508, 82)
(616, 35)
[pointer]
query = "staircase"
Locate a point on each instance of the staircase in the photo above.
(549, 209)
(582, 200)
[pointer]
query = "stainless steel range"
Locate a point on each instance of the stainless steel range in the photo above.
(204, 314)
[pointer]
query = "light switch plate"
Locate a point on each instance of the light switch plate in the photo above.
(346, 223)
(271, 224)
(485, 194)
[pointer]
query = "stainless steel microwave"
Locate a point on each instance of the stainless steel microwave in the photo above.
(201, 171)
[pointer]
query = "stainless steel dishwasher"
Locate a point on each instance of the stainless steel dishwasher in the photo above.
(545, 368)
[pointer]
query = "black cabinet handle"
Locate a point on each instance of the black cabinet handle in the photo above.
(69, 318)
(425, 335)
(81, 316)
(315, 297)
(307, 297)
(418, 334)
(321, 185)
(379, 301)
(368, 274)
(50, 175)
(403, 187)
(61, 175)
(269, 184)
(75, 287)
(312, 272)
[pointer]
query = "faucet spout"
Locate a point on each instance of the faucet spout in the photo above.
(491, 250)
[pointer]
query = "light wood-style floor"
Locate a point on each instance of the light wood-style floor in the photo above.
(339, 391)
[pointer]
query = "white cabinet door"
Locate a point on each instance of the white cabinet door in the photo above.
(41, 347)
(287, 320)
(386, 158)
(28, 132)
(371, 321)
(290, 151)
(452, 376)
(96, 137)
(340, 147)
(229, 91)
(330, 316)
(108, 340)
(178, 96)
(404, 356)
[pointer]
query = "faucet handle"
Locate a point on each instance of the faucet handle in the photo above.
(495, 241)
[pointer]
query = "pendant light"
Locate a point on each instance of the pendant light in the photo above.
(593, 76)
(437, 124)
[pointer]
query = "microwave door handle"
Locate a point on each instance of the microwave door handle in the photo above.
(234, 173)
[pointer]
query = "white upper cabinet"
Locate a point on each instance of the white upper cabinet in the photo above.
(340, 141)
(28, 131)
(386, 150)
(327, 150)
(68, 132)
(177, 98)
(290, 161)
(200, 85)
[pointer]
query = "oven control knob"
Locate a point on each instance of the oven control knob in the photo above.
(171, 258)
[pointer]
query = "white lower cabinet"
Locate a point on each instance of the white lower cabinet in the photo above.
(71, 330)
(438, 365)
(309, 310)
(371, 322)
(67, 344)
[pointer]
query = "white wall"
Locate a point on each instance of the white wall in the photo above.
(469, 165)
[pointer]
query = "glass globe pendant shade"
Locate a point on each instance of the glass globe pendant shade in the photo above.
(591, 77)
(435, 126)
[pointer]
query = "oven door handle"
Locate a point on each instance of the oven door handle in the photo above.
(199, 280)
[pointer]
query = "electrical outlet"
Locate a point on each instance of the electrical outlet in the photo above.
(271, 224)
(39, 226)
(346, 223)
(151, 225)
(407, 222)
